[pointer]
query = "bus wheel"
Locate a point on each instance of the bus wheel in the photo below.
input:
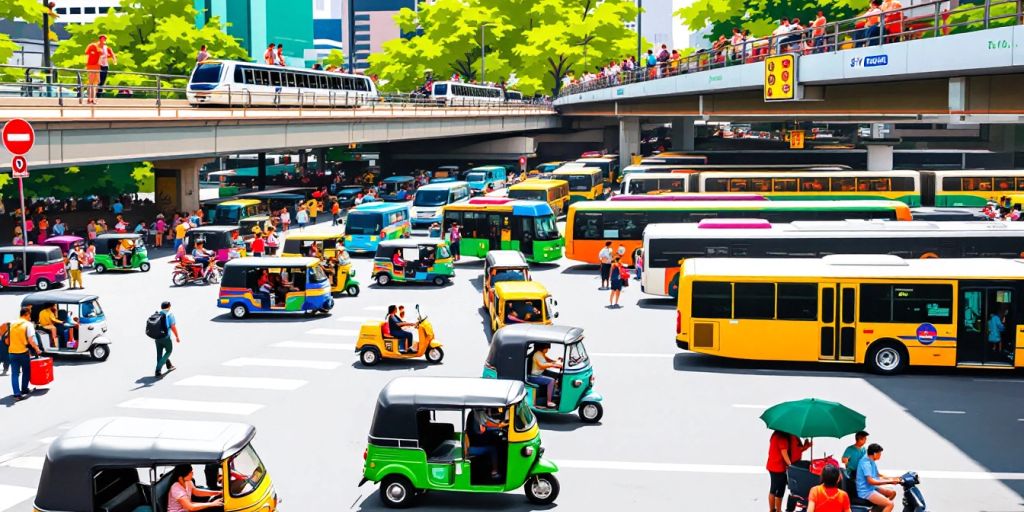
(887, 358)
(396, 491)
(383, 279)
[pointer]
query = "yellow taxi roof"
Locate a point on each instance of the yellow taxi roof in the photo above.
(512, 290)
(239, 202)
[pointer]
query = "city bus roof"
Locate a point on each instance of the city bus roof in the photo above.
(841, 173)
(448, 185)
(839, 229)
(567, 171)
(516, 206)
(240, 202)
(538, 184)
(379, 207)
(980, 173)
(850, 205)
(866, 266)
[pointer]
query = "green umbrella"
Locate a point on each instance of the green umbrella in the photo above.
(812, 417)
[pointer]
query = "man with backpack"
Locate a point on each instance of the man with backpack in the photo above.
(159, 326)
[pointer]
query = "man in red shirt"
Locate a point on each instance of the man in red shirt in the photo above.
(783, 450)
(819, 32)
(94, 53)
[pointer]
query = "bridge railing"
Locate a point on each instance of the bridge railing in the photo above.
(928, 20)
(68, 87)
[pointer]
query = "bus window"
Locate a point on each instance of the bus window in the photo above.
(951, 184)
(711, 300)
(902, 184)
(1003, 184)
(754, 301)
(784, 185)
(906, 303)
(798, 301)
(813, 184)
(844, 184)
(977, 184)
(739, 185)
(716, 185)
(760, 184)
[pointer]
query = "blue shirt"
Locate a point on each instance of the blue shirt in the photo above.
(170, 319)
(866, 468)
(58, 229)
(995, 329)
(118, 207)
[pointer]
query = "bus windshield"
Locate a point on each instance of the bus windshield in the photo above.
(579, 182)
(431, 198)
(359, 223)
(532, 195)
(546, 228)
(206, 74)
(476, 176)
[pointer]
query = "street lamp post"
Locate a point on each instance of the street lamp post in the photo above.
(483, 53)
(639, 30)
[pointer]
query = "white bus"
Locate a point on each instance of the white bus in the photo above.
(655, 182)
(226, 82)
(458, 93)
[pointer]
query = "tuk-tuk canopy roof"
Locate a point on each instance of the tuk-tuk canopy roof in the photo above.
(57, 297)
(314, 237)
(252, 262)
(532, 289)
(67, 477)
(398, 179)
(507, 354)
(410, 242)
(402, 398)
(45, 249)
(117, 236)
(213, 229)
(505, 258)
(68, 239)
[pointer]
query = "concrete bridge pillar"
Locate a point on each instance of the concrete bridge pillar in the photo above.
(629, 140)
(177, 184)
(879, 156)
(683, 133)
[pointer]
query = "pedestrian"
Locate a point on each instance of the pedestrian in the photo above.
(280, 54)
(44, 228)
(828, 497)
(5, 356)
(272, 241)
(286, 219)
(92, 67)
(179, 233)
(302, 217)
(638, 264)
(106, 58)
(996, 326)
(160, 226)
(819, 32)
(605, 256)
(335, 212)
(617, 281)
(120, 226)
(161, 334)
(258, 245)
(869, 35)
(202, 55)
(76, 256)
(269, 57)
(19, 340)
(783, 450)
(454, 237)
(434, 231)
(58, 227)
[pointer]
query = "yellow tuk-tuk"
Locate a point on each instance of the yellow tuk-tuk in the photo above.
(555, 192)
(521, 302)
(330, 248)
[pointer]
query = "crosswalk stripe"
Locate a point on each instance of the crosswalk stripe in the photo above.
(11, 495)
(314, 345)
(331, 332)
(283, 363)
(24, 463)
(170, 404)
(356, 319)
(215, 381)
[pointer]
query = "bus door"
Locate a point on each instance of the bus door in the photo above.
(495, 226)
(838, 332)
(988, 330)
(523, 230)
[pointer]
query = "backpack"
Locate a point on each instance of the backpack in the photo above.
(156, 325)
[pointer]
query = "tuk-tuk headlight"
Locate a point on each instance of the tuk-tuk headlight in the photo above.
(577, 383)
(527, 451)
(592, 379)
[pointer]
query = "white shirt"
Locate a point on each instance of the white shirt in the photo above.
(781, 29)
(286, 217)
(605, 255)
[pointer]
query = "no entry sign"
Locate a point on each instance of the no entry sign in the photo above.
(18, 136)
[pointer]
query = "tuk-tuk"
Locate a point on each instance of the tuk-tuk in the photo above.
(423, 260)
(126, 464)
(445, 174)
(426, 436)
(517, 302)
(397, 188)
(374, 344)
(500, 266)
(247, 227)
(335, 259)
(120, 251)
(230, 212)
(80, 308)
(45, 265)
(275, 285)
(512, 350)
(65, 242)
(225, 242)
(347, 195)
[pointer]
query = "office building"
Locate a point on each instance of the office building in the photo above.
(257, 23)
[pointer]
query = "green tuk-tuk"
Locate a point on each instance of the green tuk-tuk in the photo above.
(513, 349)
(456, 434)
(120, 251)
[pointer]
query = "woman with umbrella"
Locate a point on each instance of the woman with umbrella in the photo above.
(783, 450)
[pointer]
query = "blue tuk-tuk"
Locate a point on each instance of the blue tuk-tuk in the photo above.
(398, 188)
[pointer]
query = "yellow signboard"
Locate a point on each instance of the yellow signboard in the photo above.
(796, 139)
(780, 78)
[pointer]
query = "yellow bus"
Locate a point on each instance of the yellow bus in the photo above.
(969, 188)
(554, 192)
(585, 183)
(902, 186)
(881, 311)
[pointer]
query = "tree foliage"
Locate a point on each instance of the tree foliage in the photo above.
(761, 16)
(335, 58)
(30, 11)
(536, 41)
(102, 180)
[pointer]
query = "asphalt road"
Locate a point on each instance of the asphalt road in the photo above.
(680, 431)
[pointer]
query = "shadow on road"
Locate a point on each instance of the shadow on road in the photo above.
(664, 303)
(441, 501)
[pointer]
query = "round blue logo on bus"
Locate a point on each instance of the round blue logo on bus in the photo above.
(926, 334)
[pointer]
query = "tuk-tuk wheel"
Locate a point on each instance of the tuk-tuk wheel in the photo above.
(42, 285)
(100, 268)
(440, 281)
(383, 279)
(396, 491)
(435, 355)
(99, 352)
(542, 489)
(144, 266)
(591, 412)
(352, 291)
(369, 356)
(239, 311)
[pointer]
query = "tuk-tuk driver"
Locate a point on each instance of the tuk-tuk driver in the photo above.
(123, 251)
(60, 331)
(179, 499)
(540, 362)
(396, 328)
(483, 430)
(237, 245)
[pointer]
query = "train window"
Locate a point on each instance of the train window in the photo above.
(322, 81)
(760, 184)
(1003, 184)
(903, 184)
(1020, 183)
(275, 78)
(335, 82)
(739, 185)
(440, 89)
(239, 79)
(289, 79)
(844, 184)
(364, 84)
(247, 76)
(262, 77)
(951, 184)
(716, 184)
(302, 79)
(977, 184)
(784, 185)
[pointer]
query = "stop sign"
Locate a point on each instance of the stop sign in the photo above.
(18, 136)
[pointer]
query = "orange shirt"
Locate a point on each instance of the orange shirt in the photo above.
(92, 56)
(829, 500)
(819, 24)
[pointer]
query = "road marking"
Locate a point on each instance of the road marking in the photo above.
(1017, 381)
(169, 404)
(24, 463)
(283, 363)
(356, 319)
(11, 495)
(755, 470)
(939, 411)
(314, 345)
(215, 381)
(630, 354)
(376, 308)
(331, 332)
(750, 406)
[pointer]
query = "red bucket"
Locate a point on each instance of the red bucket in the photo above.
(42, 371)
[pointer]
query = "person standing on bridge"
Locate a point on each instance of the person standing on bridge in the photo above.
(819, 32)
(280, 54)
(106, 57)
(202, 55)
(269, 57)
(94, 66)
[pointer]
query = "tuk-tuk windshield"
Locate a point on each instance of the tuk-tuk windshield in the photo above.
(431, 198)
(576, 357)
(524, 420)
(508, 274)
(546, 228)
(363, 224)
(524, 311)
(317, 274)
(246, 472)
(91, 309)
(476, 176)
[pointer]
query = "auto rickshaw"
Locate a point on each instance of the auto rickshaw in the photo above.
(33, 266)
(109, 245)
(249, 226)
(65, 242)
(397, 188)
(510, 356)
(425, 436)
(335, 259)
(293, 285)
(225, 242)
(424, 260)
(125, 464)
(502, 265)
(80, 308)
(521, 302)
(373, 345)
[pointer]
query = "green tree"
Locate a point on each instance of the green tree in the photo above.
(761, 16)
(150, 36)
(335, 58)
(30, 11)
(103, 180)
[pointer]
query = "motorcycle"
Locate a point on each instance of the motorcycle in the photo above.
(189, 272)
(913, 499)
(800, 481)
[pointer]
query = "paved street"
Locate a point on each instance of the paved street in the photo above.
(680, 431)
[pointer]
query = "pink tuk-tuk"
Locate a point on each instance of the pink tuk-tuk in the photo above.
(38, 266)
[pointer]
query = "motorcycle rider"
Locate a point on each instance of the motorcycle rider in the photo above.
(203, 256)
(868, 478)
